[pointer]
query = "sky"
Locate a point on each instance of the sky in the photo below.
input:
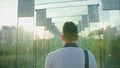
(8, 13)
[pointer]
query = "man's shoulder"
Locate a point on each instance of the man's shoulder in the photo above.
(58, 51)
(55, 51)
(90, 53)
(92, 60)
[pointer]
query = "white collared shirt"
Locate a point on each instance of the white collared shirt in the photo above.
(69, 57)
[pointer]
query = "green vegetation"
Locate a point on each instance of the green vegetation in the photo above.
(33, 53)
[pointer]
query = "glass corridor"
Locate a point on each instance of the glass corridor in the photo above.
(26, 39)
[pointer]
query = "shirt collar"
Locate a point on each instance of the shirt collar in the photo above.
(70, 45)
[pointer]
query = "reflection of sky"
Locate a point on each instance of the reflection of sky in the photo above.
(115, 17)
(60, 15)
(46, 1)
(26, 22)
(68, 11)
(8, 13)
(51, 1)
(111, 18)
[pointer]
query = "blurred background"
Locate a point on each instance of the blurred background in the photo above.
(30, 29)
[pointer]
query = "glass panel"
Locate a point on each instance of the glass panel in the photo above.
(111, 38)
(16, 37)
(8, 34)
(49, 40)
(23, 44)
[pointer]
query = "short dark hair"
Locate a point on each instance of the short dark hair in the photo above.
(70, 30)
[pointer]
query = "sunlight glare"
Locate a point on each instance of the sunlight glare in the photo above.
(41, 33)
(27, 23)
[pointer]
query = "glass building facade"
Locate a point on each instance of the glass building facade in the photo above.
(28, 34)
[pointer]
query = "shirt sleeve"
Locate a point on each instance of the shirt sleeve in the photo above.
(48, 61)
(92, 60)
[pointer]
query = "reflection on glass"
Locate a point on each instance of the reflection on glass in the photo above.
(25, 45)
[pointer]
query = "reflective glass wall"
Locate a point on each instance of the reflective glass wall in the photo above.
(28, 34)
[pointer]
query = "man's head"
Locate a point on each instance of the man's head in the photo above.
(70, 32)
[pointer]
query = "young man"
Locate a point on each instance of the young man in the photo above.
(70, 56)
